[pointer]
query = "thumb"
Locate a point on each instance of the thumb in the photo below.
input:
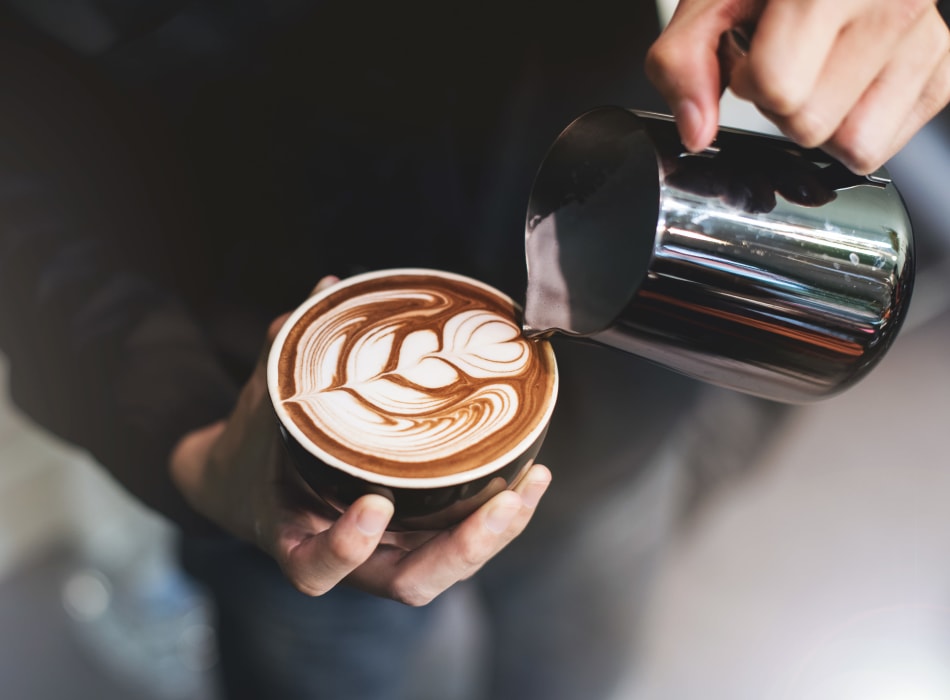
(684, 65)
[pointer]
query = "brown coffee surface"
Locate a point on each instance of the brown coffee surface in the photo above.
(415, 375)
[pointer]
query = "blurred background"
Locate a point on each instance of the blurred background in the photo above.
(823, 571)
(92, 604)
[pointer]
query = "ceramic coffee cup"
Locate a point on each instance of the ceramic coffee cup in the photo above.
(415, 384)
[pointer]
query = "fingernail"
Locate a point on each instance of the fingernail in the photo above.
(372, 520)
(689, 120)
(533, 491)
(500, 517)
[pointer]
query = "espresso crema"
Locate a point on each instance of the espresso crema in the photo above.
(415, 375)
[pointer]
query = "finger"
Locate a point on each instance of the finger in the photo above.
(324, 283)
(933, 101)
(781, 68)
(458, 553)
(316, 562)
(532, 486)
(683, 64)
(918, 78)
(409, 540)
(811, 108)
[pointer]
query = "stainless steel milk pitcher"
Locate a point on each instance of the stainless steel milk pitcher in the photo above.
(755, 265)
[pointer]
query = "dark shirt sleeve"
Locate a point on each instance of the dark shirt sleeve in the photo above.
(101, 352)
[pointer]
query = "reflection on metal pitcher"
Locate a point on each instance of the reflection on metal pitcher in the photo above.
(755, 265)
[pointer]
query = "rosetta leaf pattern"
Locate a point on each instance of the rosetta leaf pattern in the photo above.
(475, 345)
(421, 394)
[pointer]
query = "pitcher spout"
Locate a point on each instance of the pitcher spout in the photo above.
(537, 333)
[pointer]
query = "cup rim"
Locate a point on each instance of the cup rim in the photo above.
(383, 479)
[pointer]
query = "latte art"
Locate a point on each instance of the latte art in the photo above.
(414, 375)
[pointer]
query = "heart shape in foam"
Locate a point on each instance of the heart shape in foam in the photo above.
(477, 345)
(436, 393)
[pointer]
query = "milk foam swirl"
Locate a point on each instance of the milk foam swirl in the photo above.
(401, 380)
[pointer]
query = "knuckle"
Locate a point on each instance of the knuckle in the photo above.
(661, 60)
(340, 553)
(409, 592)
(902, 14)
(472, 553)
(937, 36)
(305, 584)
(932, 102)
(773, 92)
(941, 37)
(308, 589)
(808, 129)
(804, 11)
(859, 154)
(891, 20)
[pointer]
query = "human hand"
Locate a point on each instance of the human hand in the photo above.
(237, 473)
(857, 78)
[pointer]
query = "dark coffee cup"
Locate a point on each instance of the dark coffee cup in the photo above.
(414, 384)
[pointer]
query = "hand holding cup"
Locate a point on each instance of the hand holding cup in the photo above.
(238, 474)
